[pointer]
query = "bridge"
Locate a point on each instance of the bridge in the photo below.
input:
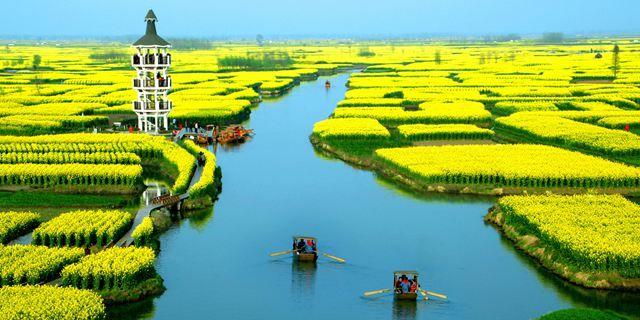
(174, 201)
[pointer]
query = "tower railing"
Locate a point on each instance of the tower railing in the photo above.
(151, 84)
(151, 106)
(151, 60)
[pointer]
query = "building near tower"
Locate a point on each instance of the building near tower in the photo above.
(152, 82)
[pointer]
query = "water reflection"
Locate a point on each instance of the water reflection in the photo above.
(303, 280)
(405, 310)
(154, 189)
(199, 219)
(138, 310)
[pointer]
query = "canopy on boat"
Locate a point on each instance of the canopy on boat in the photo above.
(304, 238)
(407, 273)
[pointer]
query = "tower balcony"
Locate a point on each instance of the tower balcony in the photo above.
(156, 60)
(152, 106)
(152, 84)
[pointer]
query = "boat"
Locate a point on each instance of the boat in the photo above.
(300, 254)
(411, 276)
(327, 84)
(234, 134)
(305, 249)
(407, 292)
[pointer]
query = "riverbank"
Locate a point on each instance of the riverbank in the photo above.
(367, 161)
(546, 256)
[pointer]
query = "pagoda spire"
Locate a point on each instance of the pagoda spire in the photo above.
(151, 37)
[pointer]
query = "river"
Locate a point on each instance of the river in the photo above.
(216, 264)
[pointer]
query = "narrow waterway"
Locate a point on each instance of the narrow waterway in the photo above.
(216, 264)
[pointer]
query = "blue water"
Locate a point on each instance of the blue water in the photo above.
(216, 264)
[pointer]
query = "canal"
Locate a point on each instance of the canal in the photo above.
(216, 264)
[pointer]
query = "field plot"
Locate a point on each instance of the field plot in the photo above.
(47, 302)
(589, 239)
(510, 166)
(27, 264)
(95, 163)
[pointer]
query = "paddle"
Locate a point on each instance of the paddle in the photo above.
(435, 294)
(275, 254)
(334, 258)
(375, 292)
(424, 294)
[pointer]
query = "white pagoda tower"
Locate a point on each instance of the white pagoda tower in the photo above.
(152, 83)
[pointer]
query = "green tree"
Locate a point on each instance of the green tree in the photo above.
(37, 59)
(552, 37)
(615, 67)
(260, 40)
(438, 57)
(365, 52)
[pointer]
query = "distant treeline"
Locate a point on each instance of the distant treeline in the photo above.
(110, 56)
(503, 38)
(272, 60)
(190, 44)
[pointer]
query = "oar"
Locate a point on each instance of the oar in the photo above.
(275, 254)
(334, 258)
(435, 294)
(424, 294)
(375, 292)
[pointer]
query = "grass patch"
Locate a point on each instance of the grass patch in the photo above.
(50, 205)
(582, 314)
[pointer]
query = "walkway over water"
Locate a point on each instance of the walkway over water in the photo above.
(216, 264)
(145, 211)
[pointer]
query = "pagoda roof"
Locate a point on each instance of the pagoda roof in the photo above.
(151, 37)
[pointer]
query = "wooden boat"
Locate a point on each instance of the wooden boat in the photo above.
(327, 84)
(397, 293)
(408, 292)
(234, 134)
(305, 256)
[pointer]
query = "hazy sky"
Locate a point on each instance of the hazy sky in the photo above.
(222, 18)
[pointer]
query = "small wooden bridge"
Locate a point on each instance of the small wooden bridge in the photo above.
(165, 201)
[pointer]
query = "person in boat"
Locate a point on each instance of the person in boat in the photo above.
(414, 284)
(397, 286)
(308, 248)
(300, 245)
(404, 284)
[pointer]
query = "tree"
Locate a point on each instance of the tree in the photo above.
(438, 57)
(260, 40)
(553, 37)
(365, 52)
(616, 61)
(37, 59)
(36, 63)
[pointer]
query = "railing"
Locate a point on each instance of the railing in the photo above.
(160, 83)
(161, 105)
(156, 59)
